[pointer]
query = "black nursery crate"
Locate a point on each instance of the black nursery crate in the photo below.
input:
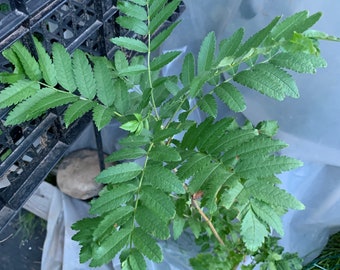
(28, 152)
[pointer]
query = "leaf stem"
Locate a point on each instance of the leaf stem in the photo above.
(211, 226)
(148, 66)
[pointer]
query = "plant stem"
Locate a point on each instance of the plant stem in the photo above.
(211, 226)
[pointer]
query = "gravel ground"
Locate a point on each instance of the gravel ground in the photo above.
(21, 243)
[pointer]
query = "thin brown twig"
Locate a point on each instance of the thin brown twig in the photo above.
(211, 226)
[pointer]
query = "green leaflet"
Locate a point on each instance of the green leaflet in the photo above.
(83, 75)
(299, 61)
(315, 34)
(215, 132)
(192, 137)
(104, 82)
(188, 69)
(119, 173)
(202, 176)
(162, 15)
(232, 139)
(206, 53)
(158, 202)
(120, 61)
(151, 223)
(208, 104)
(267, 215)
(230, 96)
(194, 164)
(132, 10)
(45, 64)
(272, 195)
(256, 40)
(132, 70)
(130, 44)
(268, 80)
(10, 55)
(162, 60)
(102, 115)
(122, 102)
(155, 175)
(133, 24)
(253, 231)
(77, 110)
(28, 63)
(266, 167)
(164, 153)
(126, 153)
(162, 36)
(178, 227)
(298, 22)
(219, 177)
(256, 148)
(112, 199)
(38, 104)
(11, 78)
(135, 140)
(107, 250)
(132, 259)
(17, 92)
(147, 245)
(155, 7)
(113, 219)
(229, 46)
(229, 196)
(63, 67)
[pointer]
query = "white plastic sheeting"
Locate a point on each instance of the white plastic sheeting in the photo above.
(310, 125)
